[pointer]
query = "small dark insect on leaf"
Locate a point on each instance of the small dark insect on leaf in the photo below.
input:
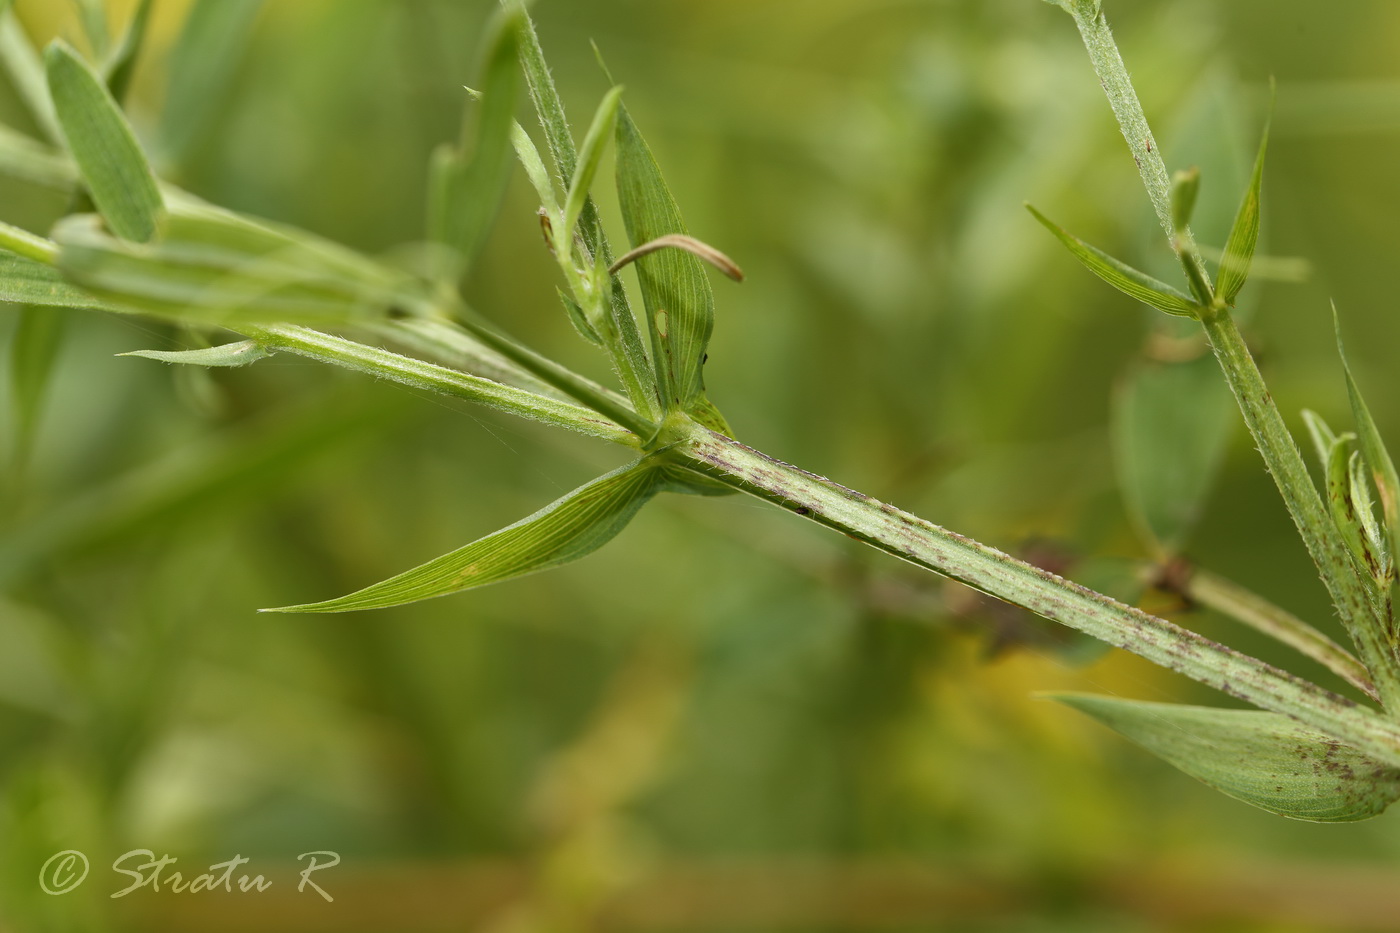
(547, 228)
(802, 510)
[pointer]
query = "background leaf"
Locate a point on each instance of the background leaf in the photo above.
(1170, 427)
(202, 67)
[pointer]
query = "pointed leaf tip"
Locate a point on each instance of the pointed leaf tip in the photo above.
(241, 353)
(1264, 759)
(1244, 234)
(1379, 464)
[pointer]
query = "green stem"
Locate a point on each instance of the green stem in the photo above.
(1280, 452)
(1290, 473)
(597, 397)
(445, 343)
(420, 375)
(1230, 599)
(934, 548)
(27, 244)
(1118, 87)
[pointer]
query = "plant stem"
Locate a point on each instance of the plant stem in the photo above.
(445, 343)
(1229, 598)
(1285, 463)
(590, 393)
(997, 574)
(420, 375)
(1348, 591)
(27, 244)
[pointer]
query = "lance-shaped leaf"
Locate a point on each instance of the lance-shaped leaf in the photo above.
(230, 354)
(110, 159)
(563, 531)
(1375, 534)
(1261, 758)
(1373, 449)
(680, 307)
(1171, 423)
(1347, 508)
(1125, 278)
(466, 190)
(213, 268)
(1322, 436)
(1244, 235)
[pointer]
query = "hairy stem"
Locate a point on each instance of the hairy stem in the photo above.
(1285, 463)
(927, 545)
(1348, 591)
(1230, 599)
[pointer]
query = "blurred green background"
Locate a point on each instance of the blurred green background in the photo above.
(726, 720)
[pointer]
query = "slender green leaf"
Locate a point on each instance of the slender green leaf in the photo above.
(548, 106)
(111, 161)
(202, 66)
(680, 306)
(622, 334)
(1373, 449)
(535, 170)
(1322, 436)
(26, 71)
(1171, 424)
(121, 64)
(566, 530)
(1244, 235)
(594, 143)
(230, 354)
(212, 269)
(1364, 506)
(1263, 759)
(1345, 508)
(467, 190)
(1123, 277)
(418, 374)
(25, 281)
(579, 319)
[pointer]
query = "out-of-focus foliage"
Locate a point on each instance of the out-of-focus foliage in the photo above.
(724, 691)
